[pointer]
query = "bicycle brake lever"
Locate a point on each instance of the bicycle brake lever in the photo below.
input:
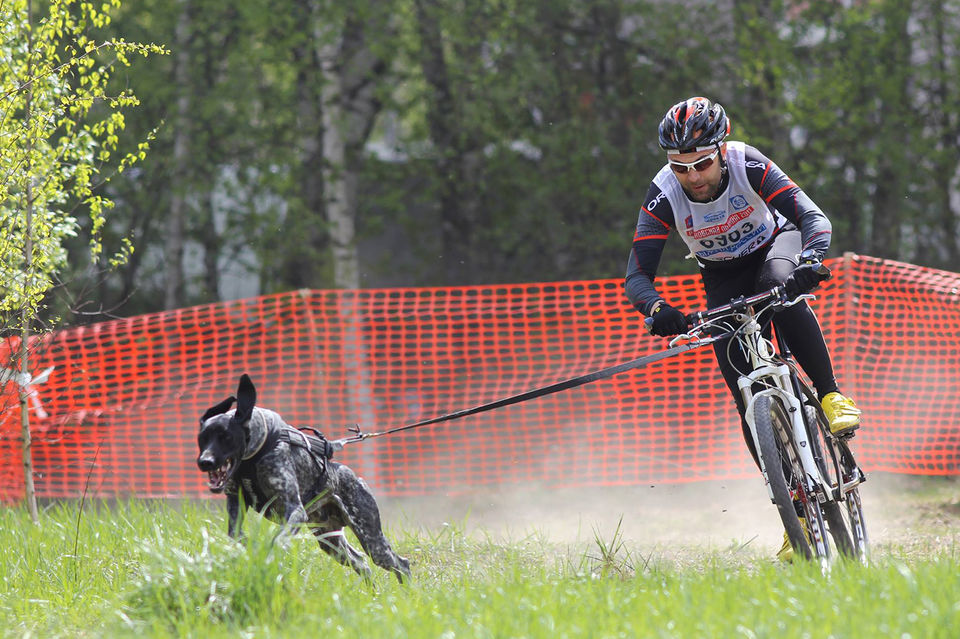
(690, 337)
(798, 299)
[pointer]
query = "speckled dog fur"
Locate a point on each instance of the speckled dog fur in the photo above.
(256, 464)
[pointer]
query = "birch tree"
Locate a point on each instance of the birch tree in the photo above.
(58, 144)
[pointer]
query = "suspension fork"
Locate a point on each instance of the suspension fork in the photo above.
(782, 383)
(811, 429)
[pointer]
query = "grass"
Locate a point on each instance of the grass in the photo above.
(159, 569)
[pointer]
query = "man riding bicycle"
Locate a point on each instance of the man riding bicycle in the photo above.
(750, 228)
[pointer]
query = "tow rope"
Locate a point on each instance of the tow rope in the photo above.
(640, 362)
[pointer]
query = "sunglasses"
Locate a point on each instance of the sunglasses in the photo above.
(700, 165)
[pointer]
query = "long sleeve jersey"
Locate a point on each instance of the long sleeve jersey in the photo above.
(755, 202)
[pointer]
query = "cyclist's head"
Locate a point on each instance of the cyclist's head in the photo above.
(693, 125)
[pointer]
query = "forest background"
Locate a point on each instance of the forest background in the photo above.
(378, 143)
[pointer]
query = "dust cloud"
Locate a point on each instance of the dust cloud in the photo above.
(702, 515)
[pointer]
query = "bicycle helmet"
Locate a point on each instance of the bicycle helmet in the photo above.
(692, 124)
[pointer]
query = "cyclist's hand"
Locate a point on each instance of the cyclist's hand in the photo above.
(808, 275)
(668, 321)
(804, 279)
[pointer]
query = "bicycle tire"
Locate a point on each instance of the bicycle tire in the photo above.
(812, 504)
(775, 458)
(858, 526)
(821, 446)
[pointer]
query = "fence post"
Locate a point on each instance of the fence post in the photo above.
(848, 322)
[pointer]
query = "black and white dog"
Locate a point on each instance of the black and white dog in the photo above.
(260, 461)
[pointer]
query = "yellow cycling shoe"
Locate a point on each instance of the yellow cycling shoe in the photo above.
(843, 414)
(785, 554)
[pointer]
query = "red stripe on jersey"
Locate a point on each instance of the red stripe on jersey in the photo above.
(637, 238)
(644, 209)
(816, 236)
(764, 178)
(779, 191)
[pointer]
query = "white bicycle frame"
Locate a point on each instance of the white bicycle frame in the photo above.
(775, 379)
(774, 376)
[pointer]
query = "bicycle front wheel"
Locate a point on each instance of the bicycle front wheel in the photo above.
(784, 473)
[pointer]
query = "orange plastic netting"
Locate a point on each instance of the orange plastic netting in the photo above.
(119, 413)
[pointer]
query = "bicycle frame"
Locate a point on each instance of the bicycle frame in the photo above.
(803, 437)
(775, 379)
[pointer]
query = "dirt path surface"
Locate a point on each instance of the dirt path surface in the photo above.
(904, 514)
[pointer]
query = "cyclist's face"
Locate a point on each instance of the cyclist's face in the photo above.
(700, 186)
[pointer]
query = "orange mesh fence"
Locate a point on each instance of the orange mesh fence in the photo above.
(119, 413)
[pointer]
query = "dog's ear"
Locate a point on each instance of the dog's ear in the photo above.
(246, 399)
(219, 409)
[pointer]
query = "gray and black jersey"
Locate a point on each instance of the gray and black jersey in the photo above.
(756, 201)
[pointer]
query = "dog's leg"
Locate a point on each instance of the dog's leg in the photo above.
(294, 515)
(336, 545)
(280, 484)
(234, 516)
(360, 507)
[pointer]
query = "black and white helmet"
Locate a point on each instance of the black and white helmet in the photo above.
(694, 124)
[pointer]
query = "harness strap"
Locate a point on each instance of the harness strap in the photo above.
(316, 446)
(320, 450)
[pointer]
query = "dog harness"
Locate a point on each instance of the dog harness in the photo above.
(316, 445)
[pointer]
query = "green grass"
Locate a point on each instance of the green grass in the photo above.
(157, 569)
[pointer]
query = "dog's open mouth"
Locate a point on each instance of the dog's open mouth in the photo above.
(219, 476)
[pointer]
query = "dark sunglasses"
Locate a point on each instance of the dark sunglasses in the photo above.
(700, 165)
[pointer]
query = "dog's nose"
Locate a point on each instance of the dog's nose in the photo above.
(205, 461)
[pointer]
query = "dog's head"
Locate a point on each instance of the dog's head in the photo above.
(223, 437)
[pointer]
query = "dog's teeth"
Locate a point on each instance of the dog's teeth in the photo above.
(217, 477)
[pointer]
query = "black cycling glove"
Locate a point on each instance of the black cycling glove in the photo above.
(668, 321)
(804, 279)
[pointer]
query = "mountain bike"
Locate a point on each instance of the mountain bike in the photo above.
(809, 472)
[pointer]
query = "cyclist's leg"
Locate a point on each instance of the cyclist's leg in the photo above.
(721, 285)
(799, 328)
(797, 325)
(730, 365)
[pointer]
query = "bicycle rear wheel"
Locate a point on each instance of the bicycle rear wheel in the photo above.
(784, 471)
(851, 473)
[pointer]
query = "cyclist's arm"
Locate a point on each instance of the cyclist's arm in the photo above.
(778, 190)
(653, 227)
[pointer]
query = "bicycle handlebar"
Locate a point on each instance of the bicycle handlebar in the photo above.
(741, 303)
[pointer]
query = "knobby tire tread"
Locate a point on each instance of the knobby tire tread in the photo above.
(769, 451)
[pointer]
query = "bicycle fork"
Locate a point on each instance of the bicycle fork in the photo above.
(775, 380)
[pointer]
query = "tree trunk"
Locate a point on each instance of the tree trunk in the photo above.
(886, 230)
(212, 245)
(946, 167)
(756, 25)
(455, 225)
(30, 492)
(349, 109)
(305, 261)
(174, 233)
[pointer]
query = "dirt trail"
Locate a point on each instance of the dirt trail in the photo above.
(902, 512)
